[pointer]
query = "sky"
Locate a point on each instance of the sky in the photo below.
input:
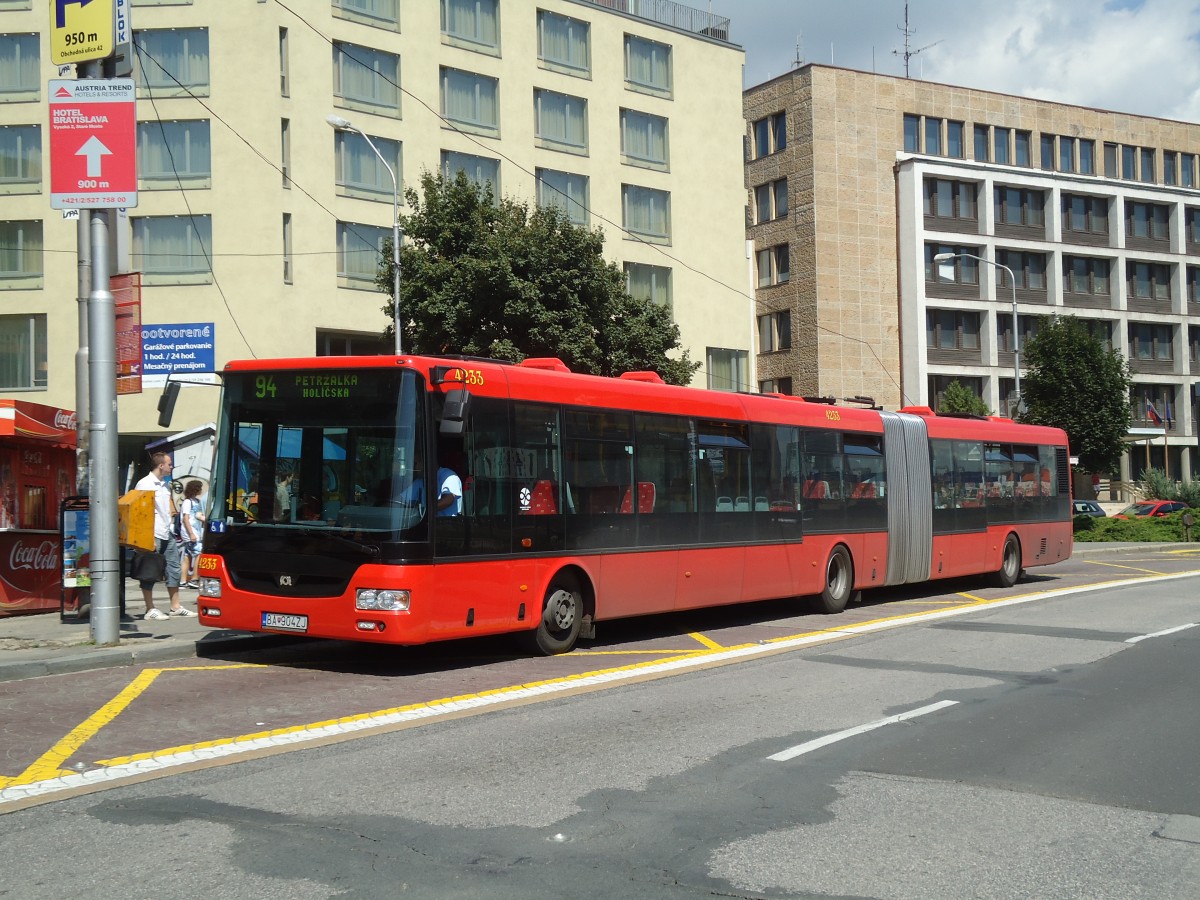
(1136, 56)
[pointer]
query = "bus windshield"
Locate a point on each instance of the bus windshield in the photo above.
(322, 450)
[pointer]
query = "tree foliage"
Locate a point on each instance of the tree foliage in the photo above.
(958, 398)
(496, 278)
(1073, 383)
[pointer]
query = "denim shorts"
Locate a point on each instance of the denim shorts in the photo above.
(193, 549)
(170, 550)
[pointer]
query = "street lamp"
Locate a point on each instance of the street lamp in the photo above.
(340, 124)
(946, 257)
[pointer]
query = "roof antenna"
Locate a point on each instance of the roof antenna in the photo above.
(908, 33)
(799, 60)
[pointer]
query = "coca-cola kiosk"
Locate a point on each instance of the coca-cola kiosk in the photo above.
(37, 472)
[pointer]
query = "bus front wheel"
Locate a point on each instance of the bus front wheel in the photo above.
(1010, 563)
(839, 582)
(562, 617)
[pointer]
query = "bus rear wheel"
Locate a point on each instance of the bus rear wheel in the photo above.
(562, 616)
(1010, 563)
(839, 582)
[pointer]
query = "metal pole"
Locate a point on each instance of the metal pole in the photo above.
(102, 365)
(83, 416)
(1016, 337)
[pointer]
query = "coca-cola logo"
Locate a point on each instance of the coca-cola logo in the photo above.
(43, 557)
(63, 420)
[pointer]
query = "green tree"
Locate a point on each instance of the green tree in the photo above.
(1073, 383)
(496, 278)
(958, 398)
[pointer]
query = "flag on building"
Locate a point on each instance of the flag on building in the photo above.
(1152, 414)
(1167, 404)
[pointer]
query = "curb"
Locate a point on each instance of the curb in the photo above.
(70, 661)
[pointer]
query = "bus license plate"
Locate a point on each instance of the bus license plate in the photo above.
(284, 622)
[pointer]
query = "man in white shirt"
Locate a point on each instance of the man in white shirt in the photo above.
(166, 544)
(449, 495)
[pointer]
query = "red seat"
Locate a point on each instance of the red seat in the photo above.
(543, 500)
(864, 490)
(815, 490)
(645, 498)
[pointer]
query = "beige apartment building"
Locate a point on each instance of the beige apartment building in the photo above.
(258, 227)
(857, 181)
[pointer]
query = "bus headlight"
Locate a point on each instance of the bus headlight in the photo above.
(372, 598)
(210, 587)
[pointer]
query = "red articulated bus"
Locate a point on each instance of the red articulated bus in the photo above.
(586, 498)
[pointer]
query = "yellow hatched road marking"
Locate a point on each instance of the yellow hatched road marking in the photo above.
(710, 644)
(1130, 568)
(49, 765)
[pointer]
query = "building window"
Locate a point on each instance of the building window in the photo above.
(1004, 331)
(960, 270)
(20, 158)
(933, 136)
(1066, 154)
(773, 265)
(285, 151)
(776, 386)
(1128, 162)
(954, 140)
(560, 120)
(1151, 342)
(1150, 221)
(1087, 156)
(1000, 146)
(1187, 169)
(912, 133)
(359, 251)
(1028, 269)
(1170, 168)
(653, 283)
(359, 172)
(172, 61)
(167, 249)
(947, 329)
(646, 212)
(174, 152)
(1024, 156)
(349, 343)
(939, 383)
(770, 201)
(1101, 330)
(1191, 220)
(563, 42)
(23, 357)
(770, 135)
(1193, 284)
(372, 12)
(1020, 206)
(1047, 152)
(287, 248)
(366, 78)
(1086, 275)
(982, 143)
(644, 140)
(946, 199)
(20, 254)
(284, 63)
(481, 170)
(647, 65)
(1148, 281)
(470, 99)
(473, 21)
(775, 331)
(20, 66)
(1085, 215)
(728, 370)
(565, 190)
(1146, 165)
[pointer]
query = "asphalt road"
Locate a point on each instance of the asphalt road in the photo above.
(1049, 753)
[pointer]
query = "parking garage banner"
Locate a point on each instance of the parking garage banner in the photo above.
(183, 349)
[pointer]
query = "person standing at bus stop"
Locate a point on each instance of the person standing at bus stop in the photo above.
(165, 541)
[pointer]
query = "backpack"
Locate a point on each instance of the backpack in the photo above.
(176, 524)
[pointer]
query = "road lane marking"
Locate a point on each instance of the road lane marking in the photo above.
(1130, 568)
(809, 746)
(50, 764)
(974, 597)
(1146, 637)
(160, 762)
(710, 644)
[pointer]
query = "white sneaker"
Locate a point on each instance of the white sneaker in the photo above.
(182, 611)
(155, 614)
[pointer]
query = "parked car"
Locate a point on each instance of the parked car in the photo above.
(1087, 508)
(1150, 509)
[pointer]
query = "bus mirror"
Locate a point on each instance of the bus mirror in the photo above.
(454, 411)
(166, 403)
(442, 374)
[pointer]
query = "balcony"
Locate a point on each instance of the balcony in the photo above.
(671, 14)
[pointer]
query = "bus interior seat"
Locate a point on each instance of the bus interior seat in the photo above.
(760, 504)
(741, 504)
(724, 504)
(645, 501)
(542, 500)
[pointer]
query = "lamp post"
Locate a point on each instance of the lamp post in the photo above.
(1012, 281)
(340, 124)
